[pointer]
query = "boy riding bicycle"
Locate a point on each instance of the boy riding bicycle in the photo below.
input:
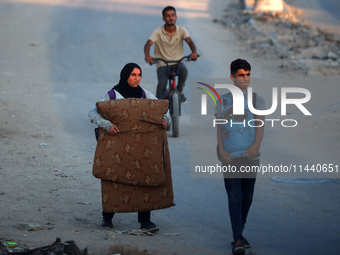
(168, 41)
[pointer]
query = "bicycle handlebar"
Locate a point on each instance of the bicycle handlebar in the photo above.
(167, 62)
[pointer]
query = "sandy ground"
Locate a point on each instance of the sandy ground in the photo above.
(46, 167)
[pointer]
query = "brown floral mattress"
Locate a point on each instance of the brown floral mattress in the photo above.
(134, 165)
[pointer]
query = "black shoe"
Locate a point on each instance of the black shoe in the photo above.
(149, 226)
(238, 247)
(182, 98)
(246, 244)
(107, 223)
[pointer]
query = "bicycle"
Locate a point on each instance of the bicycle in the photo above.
(173, 95)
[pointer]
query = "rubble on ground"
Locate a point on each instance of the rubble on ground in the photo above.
(283, 36)
(64, 248)
(56, 248)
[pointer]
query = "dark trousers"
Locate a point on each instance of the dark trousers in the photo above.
(142, 216)
(163, 79)
(240, 196)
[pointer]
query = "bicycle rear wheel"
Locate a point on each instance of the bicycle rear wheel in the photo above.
(175, 114)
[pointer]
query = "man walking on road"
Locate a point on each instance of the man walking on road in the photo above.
(239, 186)
(168, 41)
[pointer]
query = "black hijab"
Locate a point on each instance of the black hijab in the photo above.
(123, 87)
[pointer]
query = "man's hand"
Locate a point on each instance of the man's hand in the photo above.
(113, 130)
(193, 56)
(253, 151)
(149, 60)
(224, 156)
(164, 123)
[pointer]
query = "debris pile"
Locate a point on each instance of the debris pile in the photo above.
(283, 36)
(56, 248)
(64, 248)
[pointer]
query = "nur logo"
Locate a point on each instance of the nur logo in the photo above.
(238, 102)
(238, 99)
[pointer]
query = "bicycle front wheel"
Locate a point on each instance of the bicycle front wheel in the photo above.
(175, 114)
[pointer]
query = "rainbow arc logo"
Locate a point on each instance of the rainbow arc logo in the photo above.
(204, 97)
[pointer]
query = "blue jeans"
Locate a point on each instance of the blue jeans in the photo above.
(163, 79)
(240, 196)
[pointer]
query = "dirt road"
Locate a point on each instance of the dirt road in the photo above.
(58, 57)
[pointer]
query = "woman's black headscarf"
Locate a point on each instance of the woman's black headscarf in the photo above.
(123, 87)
